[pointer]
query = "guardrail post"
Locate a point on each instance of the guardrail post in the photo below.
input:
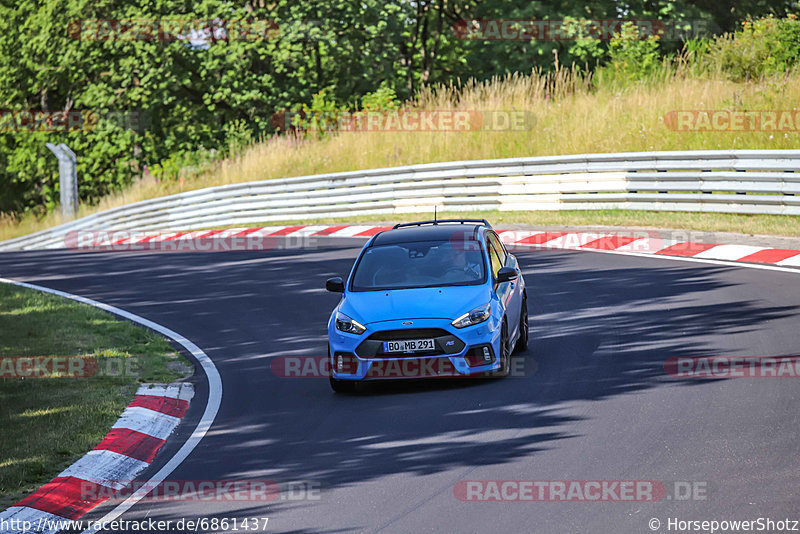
(68, 178)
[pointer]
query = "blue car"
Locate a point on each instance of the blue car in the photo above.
(428, 299)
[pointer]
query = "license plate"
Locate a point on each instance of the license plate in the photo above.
(408, 345)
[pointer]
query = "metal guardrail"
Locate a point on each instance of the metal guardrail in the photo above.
(730, 181)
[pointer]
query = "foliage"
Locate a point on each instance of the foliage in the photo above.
(762, 47)
(185, 164)
(384, 98)
(633, 56)
(319, 118)
(325, 56)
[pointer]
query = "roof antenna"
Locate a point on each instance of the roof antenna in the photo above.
(434, 213)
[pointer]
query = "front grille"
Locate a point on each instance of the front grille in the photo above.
(444, 341)
(408, 333)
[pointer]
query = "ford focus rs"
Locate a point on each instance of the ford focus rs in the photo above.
(428, 299)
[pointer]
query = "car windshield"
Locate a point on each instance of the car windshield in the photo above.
(420, 264)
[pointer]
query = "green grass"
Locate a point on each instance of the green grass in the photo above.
(48, 423)
(777, 225)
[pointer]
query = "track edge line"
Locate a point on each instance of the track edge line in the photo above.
(206, 420)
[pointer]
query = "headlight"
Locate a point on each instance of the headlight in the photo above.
(346, 324)
(478, 315)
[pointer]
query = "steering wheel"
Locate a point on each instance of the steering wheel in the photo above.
(458, 270)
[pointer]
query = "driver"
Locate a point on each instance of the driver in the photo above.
(465, 256)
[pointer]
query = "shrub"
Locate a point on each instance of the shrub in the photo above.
(319, 118)
(185, 164)
(383, 99)
(762, 47)
(238, 136)
(631, 56)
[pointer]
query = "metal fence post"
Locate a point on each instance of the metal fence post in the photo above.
(68, 176)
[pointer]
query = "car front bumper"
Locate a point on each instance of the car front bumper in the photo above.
(353, 359)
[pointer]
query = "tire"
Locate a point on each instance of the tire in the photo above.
(505, 353)
(524, 329)
(343, 386)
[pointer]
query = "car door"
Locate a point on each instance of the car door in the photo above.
(507, 291)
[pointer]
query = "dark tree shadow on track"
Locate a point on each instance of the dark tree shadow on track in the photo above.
(595, 334)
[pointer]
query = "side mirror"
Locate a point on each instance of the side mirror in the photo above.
(335, 284)
(506, 274)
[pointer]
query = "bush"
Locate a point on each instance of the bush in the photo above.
(324, 116)
(185, 164)
(632, 57)
(383, 99)
(762, 47)
(586, 49)
(318, 119)
(238, 136)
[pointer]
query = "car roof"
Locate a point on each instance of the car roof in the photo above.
(432, 232)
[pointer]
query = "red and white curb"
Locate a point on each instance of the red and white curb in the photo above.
(179, 392)
(651, 243)
(643, 242)
(239, 237)
(127, 450)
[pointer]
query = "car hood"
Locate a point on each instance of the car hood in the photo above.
(422, 303)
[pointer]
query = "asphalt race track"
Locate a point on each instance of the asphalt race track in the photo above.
(595, 402)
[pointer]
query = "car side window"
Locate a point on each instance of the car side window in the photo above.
(494, 258)
(498, 247)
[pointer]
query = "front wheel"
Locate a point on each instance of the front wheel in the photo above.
(505, 353)
(522, 342)
(343, 386)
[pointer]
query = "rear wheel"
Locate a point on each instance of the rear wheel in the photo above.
(505, 353)
(522, 342)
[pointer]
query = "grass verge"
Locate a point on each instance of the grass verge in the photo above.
(48, 423)
(768, 225)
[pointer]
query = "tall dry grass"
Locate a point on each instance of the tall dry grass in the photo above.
(574, 113)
